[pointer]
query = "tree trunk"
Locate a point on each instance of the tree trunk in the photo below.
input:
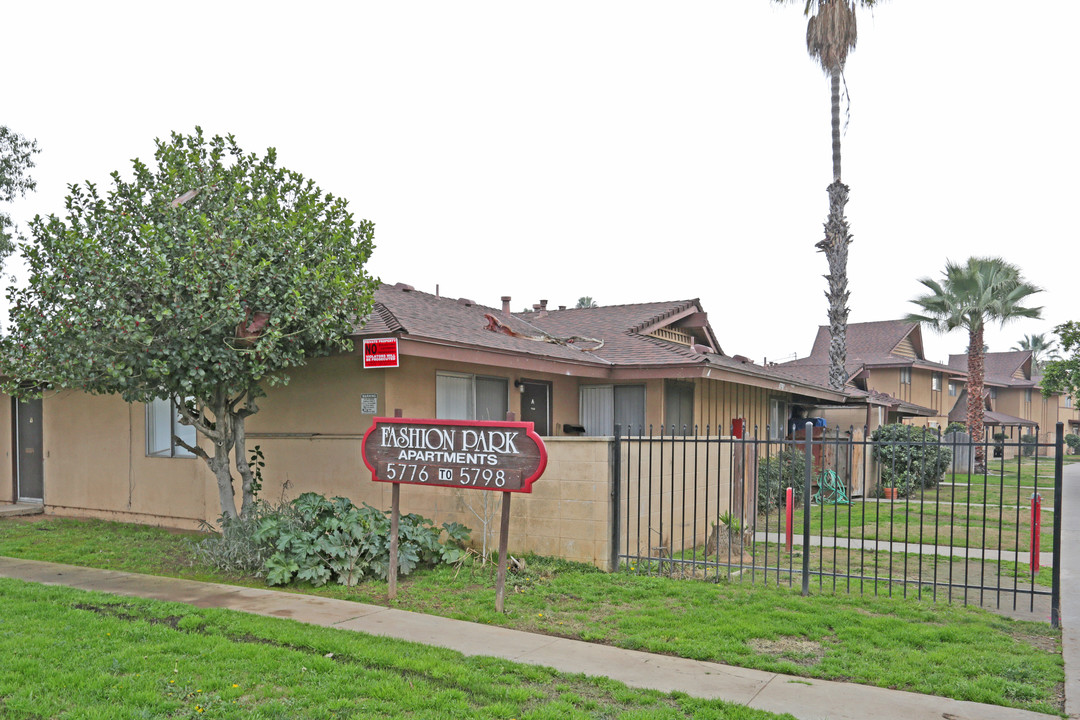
(242, 466)
(975, 396)
(834, 78)
(835, 247)
(219, 463)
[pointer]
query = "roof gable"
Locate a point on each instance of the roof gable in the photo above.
(1004, 368)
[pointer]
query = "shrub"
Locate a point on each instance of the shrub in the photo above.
(776, 474)
(956, 427)
(235, 549)
(911, 457)
(1073, 441)
(320, 540)
(1028, 443)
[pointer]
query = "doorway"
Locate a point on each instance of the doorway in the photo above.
(29, 467)
(536, 405)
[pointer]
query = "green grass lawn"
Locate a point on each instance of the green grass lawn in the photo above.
(952, 651)
(76, 654)
(990, 511)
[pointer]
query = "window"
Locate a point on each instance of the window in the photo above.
(1068, 401)
(993, 393)
(1027, 395)
(604, 406)
(679, 407)
(163, 427)
(471, 397)
(778, 416)
(935, 382)
(952, 389)
(905, 376)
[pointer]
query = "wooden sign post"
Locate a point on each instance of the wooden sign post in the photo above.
(504, 457)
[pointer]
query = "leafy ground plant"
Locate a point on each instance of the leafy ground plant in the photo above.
(319, 540)
(78, 654)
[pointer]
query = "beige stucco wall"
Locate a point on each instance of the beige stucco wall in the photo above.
(310, 432)
(96, 465)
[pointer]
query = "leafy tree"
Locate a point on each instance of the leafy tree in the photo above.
(1063, 375)
(970, 295)
(16, 159)
(585, 302)
(831, 33)
(202, 279)
(1041, 348)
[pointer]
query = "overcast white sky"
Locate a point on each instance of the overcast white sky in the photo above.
(630, 151)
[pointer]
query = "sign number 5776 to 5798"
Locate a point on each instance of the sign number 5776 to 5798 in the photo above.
(411, 473)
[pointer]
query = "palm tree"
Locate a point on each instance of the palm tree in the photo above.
(831, 33)
(1042, 349)
(972, 294)
(586, 302)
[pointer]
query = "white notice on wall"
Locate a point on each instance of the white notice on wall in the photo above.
(369, 403)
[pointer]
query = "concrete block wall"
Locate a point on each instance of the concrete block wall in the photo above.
(672, 493)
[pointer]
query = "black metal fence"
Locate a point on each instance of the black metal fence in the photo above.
(895, 512)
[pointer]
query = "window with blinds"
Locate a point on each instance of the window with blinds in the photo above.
(471, 397)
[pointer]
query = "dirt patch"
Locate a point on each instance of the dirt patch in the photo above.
(1039, 642)
(793, 649)
(117, 611)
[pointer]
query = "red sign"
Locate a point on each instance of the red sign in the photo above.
(480, 455)
(380, 352)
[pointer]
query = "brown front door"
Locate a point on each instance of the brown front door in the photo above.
(29, 469)
(536, 405)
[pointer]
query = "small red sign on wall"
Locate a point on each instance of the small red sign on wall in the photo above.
(380, 352)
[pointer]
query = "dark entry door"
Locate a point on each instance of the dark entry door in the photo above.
(536, 405)
(29, 469)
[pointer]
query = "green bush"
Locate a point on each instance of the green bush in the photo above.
(1073, 441)
(911, 457)
(318, 540)
(1028, 443)
(776, 474)
(956, 427)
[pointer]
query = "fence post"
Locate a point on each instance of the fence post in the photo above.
(616, 499)
(1059, 462)
(808, 439)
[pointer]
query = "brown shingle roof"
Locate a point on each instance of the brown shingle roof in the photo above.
(399, 309)
(868, 344)
(999, 367)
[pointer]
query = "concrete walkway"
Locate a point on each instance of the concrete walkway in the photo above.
(1070, 587)
(963, 553)
(7, 509)
(804, 698)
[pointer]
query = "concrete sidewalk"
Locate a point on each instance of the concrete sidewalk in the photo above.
(804, 698)
(1070, 586)
(1046, 559)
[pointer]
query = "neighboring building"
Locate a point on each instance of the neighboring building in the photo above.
(572, 372)
(886, 364)
(1014, 398)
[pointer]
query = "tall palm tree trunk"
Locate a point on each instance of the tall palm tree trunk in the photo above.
(834, 77)
(976, 374)
(835, 247)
